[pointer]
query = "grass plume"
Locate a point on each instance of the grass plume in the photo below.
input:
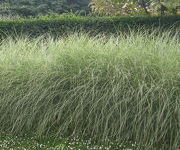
(123, 88)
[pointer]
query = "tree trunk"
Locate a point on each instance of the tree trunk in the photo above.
(143, 4)
(162, 8)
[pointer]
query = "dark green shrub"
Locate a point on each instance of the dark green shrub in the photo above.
(58, 25)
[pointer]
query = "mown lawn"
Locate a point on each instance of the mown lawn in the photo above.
(32, 143)
(9, 142)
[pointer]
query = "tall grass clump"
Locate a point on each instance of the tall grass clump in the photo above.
(123, 88)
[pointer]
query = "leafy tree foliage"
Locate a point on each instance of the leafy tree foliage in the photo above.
(36, 7)
(116, 7)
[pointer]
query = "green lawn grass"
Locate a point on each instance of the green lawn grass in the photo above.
(12, 142)
(32, 143)
(118, 89)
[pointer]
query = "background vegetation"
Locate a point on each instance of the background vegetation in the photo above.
(43, 7)
(135, 7)
(88, 7)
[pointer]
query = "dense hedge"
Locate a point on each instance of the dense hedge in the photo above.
(58, 25)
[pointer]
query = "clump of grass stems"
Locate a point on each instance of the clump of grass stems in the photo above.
(121, 88)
